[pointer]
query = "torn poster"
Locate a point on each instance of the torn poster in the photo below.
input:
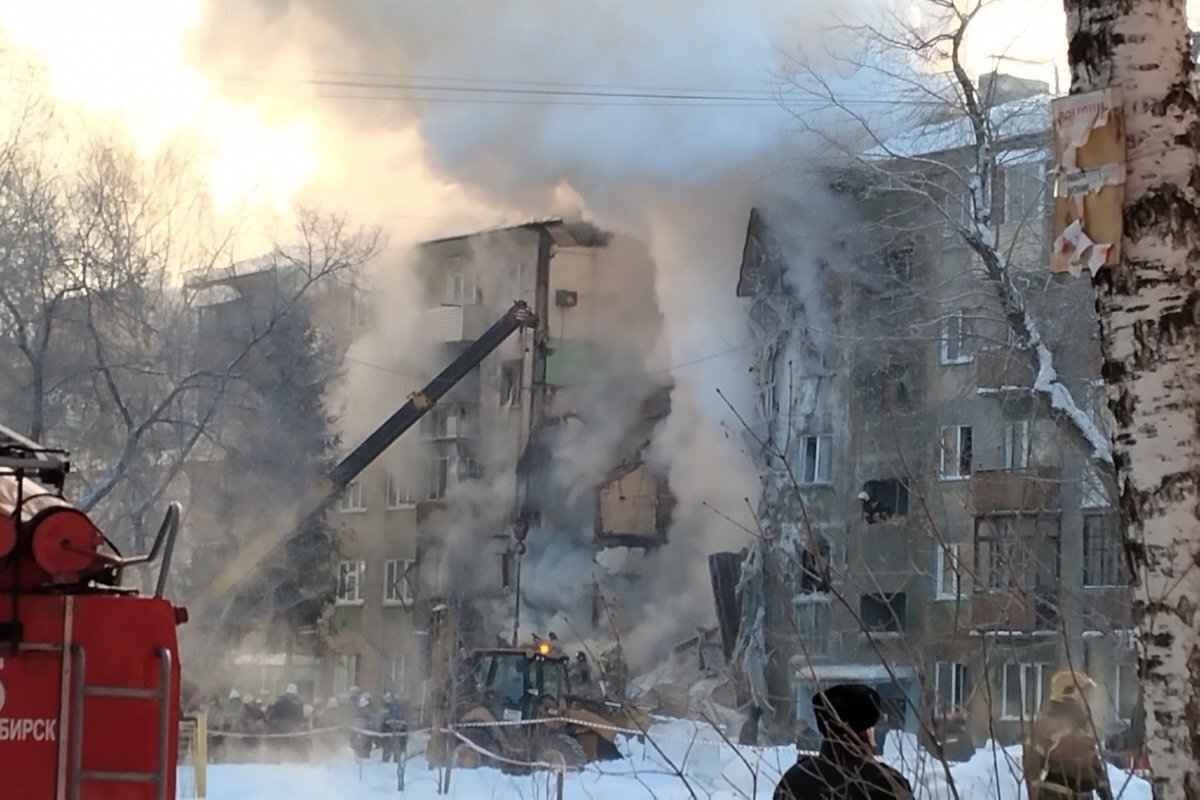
(1073, 251)
(1089, 187)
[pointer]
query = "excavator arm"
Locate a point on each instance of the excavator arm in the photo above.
(326, 488)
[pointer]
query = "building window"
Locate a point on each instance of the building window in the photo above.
(812, 625)
(351, 499)
(956, 333)
(816, 453)
(947, 572)
(345, 673)
(884, 499)
(886, 387)
(439, 475)
(898, 263)
(510, 383)
(464, 288)
(358, 312)
(396, 672)
(1103, 552)
(398, 493)
(1022, 687)
(397, 585)
(1095, 491)
(1016, 445)
(1126, 691)
(1023, 198)
(1015, 553)
(814, 565)
(883, 613)
(955, 462)
(349, 586)
(949, 687)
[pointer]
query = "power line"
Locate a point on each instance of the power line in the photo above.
(630, 376)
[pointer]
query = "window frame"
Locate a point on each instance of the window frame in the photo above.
(392, 493)
(900, 499)
(956, 671)
(953, 552)
(887, 601)
(959, 474)
(343, 597)
(1119, 669)
(1112, 546)
(822, 455)
(961, 336)
(813, 619)
(352, 500)
(1016, 433)
(1035, 208)
(404, 598)
(1039, 670)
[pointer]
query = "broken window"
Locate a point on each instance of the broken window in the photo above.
(955, 462)
(349, 585)
(1103, 554)
(1016, 445)
(883, 613)
(884, 499)
(898, 261)
(398, 493)
(956, 334)
(886, 386)
(815, 457)
(814, 565)
(397, 589)
(812, 626)
(510, 382)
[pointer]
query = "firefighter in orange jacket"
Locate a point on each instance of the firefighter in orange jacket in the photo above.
(1062, 756)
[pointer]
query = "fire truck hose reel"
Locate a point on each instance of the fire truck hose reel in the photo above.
(64, 541)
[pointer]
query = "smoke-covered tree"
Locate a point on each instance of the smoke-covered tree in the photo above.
(276, 438)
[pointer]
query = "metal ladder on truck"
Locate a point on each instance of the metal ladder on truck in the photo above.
(80, 691)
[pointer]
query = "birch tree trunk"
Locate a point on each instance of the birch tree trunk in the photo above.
(1148, 308)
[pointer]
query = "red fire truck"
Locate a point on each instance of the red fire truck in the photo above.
(89, 671)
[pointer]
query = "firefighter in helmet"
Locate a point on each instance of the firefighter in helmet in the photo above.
(1062, 756)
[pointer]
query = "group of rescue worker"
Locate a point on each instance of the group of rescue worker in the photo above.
(1062, 753)
(249, 727)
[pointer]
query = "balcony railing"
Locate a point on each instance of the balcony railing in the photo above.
(1015, 490)
(1003, 369)
(464, 323)
(1021, 611)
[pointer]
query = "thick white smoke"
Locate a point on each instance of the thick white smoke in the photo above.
(659, 119)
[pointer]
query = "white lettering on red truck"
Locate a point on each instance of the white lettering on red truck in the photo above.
(25, 729)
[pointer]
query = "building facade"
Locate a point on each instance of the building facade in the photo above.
(955, 544)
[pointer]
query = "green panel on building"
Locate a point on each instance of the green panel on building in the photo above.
(573, 361)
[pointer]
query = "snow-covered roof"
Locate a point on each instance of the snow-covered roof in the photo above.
(1024, 117)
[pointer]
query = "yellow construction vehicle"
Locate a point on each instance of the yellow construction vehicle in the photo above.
(496, 688)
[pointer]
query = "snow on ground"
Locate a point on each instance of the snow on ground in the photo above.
(712, 769)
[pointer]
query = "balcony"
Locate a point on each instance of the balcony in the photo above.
(1014, 490)
(1015, 611)
(464, 323)
(1000, 370)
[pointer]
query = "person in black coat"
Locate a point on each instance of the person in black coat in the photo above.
(845, 768)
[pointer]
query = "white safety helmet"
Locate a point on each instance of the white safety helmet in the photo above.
(364, 700)
(291, 689)
(332, 703)
(233, 695)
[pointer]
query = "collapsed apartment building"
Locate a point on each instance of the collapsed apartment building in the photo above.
(435, 526)
(932, 527)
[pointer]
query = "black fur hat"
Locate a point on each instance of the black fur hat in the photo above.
(848, 705)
